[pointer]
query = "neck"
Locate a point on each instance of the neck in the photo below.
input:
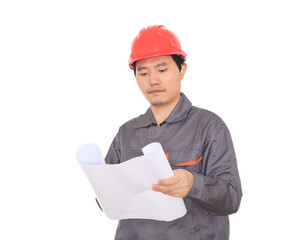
(162, 112)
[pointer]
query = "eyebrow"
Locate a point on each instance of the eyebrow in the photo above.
(162, 64)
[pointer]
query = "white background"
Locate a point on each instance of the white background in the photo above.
(65, 81)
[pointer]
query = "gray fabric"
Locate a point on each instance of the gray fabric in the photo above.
(187, 134)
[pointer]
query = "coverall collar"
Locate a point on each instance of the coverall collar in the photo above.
(180, 112)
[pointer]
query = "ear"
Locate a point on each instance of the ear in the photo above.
(183, 70)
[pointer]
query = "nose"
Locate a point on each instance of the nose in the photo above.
(154, 79)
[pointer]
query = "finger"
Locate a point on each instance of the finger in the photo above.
(169, 181)
(171, 191)
(163, 189)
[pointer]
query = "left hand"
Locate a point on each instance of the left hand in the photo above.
(178, 185)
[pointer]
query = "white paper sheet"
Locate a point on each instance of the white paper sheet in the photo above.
(125, 190)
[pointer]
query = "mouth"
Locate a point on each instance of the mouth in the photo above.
(155, 90)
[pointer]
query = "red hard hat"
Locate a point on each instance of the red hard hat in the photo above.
(154, 41)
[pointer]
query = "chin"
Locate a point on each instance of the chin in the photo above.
(156, 102)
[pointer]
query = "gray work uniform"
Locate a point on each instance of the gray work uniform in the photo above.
(196, 140)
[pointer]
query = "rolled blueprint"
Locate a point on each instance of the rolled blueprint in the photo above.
(89, 154)
(125, 190)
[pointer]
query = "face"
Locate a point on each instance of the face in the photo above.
(160, 79)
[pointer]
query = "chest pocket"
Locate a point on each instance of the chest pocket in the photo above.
(185, 159)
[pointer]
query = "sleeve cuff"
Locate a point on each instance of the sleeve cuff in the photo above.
(197, 191)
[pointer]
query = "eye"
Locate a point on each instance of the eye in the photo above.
(163, 70)
(143, 74)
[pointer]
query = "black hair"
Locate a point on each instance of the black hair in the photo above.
(178, 59)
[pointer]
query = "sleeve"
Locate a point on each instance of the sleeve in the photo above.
(217, 188)
(114, 153)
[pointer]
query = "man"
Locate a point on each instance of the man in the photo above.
(197, 143)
